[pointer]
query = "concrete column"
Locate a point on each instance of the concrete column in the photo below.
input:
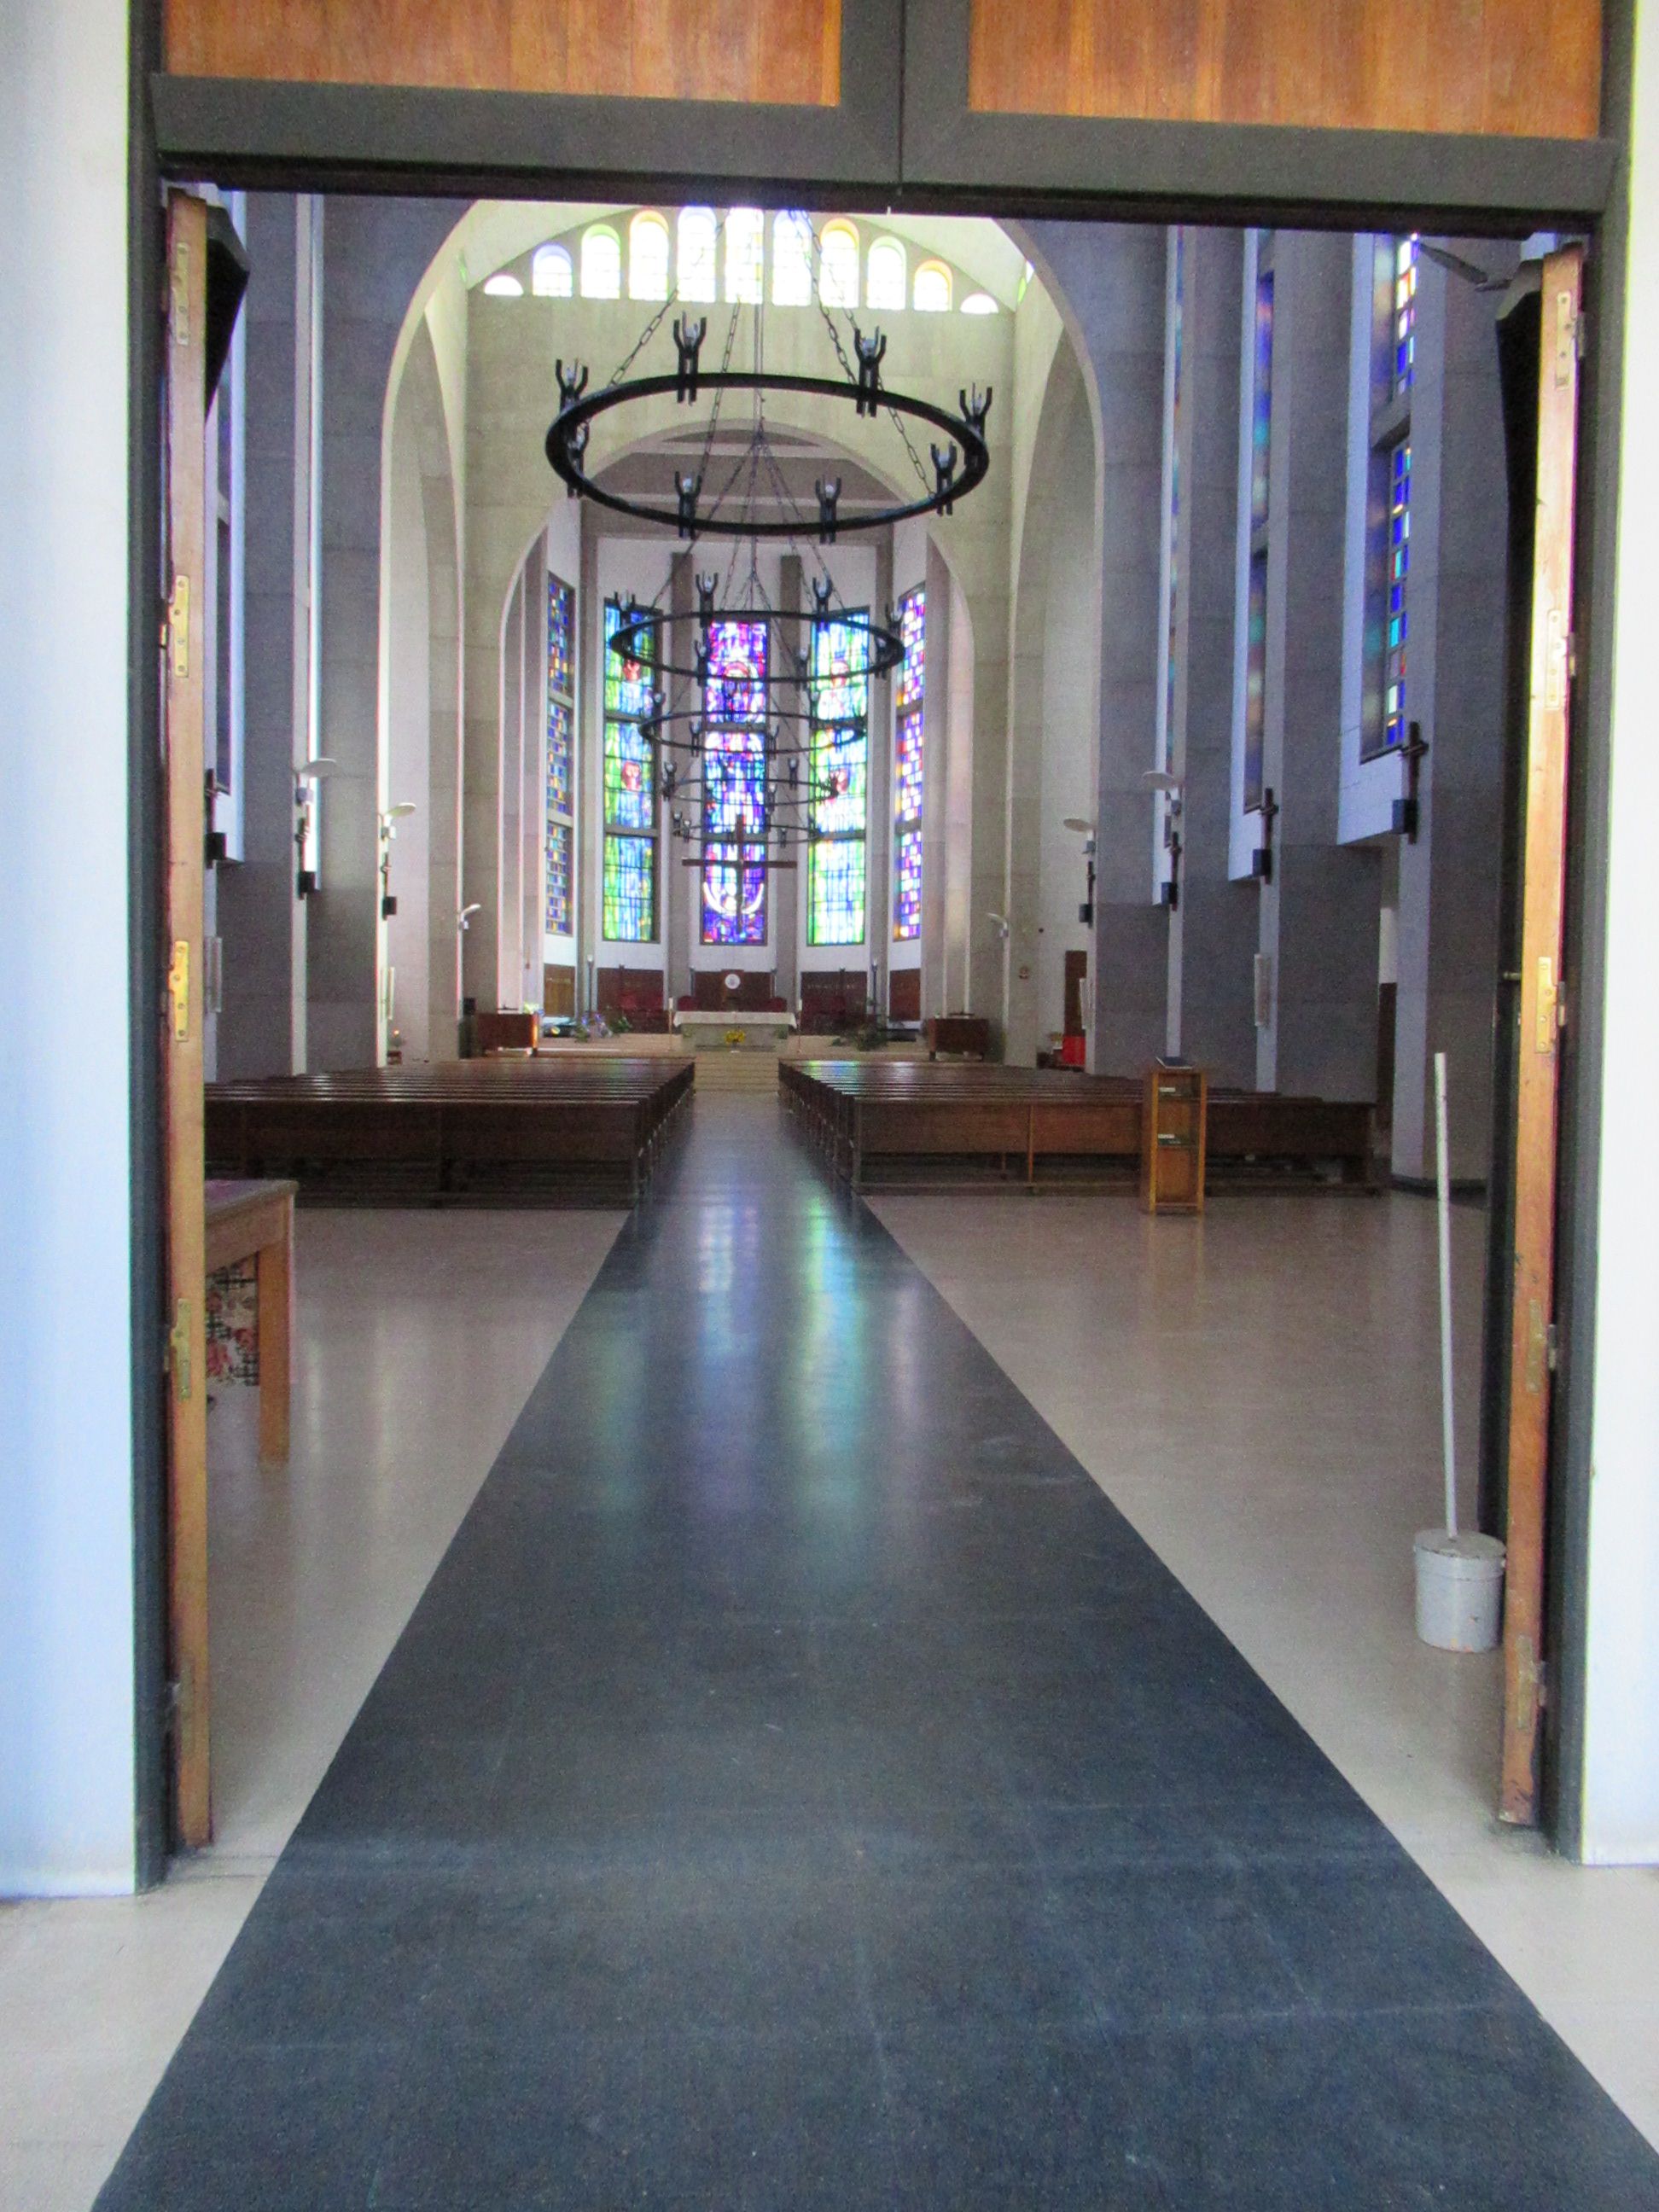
(1449, 878)
(375, 252)
(1213, 929)
(509, 952)
(262, 922)
(1320, 913)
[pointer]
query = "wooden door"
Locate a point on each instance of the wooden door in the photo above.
(184, 699)
(1532, 1333)
(1077, 972)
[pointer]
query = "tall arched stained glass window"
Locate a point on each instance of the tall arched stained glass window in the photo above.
(886, 277)
(792, 259)
(698, 274)
(908, 782)
(561, 755)
(629, 883)
(838, 265)
(1255, 636)
(601, 264)
(734, 784)
(551, 276)
(745, 256)
(839, 696)
(647, 257)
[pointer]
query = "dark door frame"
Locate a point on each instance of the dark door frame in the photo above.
(904, 139)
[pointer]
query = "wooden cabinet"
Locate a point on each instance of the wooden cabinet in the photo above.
(1175, 1106)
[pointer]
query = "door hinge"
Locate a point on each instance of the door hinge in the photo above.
(179, 988)
(1548, 1019)
(1537, 1347)
(177, 1360)
(178, 625)
(1568, 346)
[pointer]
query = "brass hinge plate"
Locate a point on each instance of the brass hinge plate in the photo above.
(179, 1349)
(179, 626)
(179, 988)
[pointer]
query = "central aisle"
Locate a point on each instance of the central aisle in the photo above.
(799, 1788)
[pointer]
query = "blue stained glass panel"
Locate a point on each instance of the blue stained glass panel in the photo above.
(835, 891)
(1261, 401)
(913, 631)
(734, 875)
(1400, 557)
(559, 754)
(907, 886)
(908, 767)
(561, 637)
(736, 690)
(558, 878)
(1404, 363)
(627, 687)
(1255, 682)
(630, 890)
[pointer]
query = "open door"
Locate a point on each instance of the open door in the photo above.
(1532, 1320)
(183, 696)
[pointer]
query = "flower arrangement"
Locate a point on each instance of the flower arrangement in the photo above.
(734, 1038)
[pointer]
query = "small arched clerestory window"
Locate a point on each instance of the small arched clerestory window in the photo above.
(886, 276)
(647, 257)
(792, 259)
(746, 254)
(551, 276)
(838, 265)
(601, 264)
(699, 271)
(932, 294)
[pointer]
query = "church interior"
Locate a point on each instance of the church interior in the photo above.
(843, 853)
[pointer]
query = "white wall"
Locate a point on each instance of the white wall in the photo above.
(1621, 1747)
(66, 1622)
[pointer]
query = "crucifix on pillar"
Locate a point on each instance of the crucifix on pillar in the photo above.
(1406, 810)
(1261, 860)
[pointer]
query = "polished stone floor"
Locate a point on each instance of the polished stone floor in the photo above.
(800, 1785)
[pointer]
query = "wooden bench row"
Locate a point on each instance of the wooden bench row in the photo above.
(897, 1121)
(460, 1133)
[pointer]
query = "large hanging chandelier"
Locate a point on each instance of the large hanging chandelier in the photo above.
(753, 716)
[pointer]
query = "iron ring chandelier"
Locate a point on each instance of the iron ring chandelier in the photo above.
(955, 473)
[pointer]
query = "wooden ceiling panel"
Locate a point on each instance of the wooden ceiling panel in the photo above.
(783, 51)
(1504, 67)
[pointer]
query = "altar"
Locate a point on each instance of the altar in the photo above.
(732, 1029)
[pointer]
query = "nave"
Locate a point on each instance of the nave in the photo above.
(799, 1786)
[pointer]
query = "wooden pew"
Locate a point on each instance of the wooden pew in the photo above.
(462, 1132)
(923, 1124)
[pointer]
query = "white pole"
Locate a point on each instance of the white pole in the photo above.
(1447, 1439)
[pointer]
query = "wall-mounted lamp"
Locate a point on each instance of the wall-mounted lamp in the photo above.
(463, 919)
(389, 818)
(1261, 860)
(1406, 810)
(1086, 913)
(306, 777)
(1000, 923)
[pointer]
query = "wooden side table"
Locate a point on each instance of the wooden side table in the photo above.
(1173, 1111)
(255, 1221)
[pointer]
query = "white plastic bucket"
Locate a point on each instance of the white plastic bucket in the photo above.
(1459, 1588)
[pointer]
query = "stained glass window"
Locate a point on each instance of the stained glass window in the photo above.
(558, 756)
(561, 637)
(1400, 557)
(630, 796)
(931, 292)
(1256, 681)
(840, 698)
(734, 704)
(1262, 400)
(558, 876)
(561, 755)
(1404, 364)
(913, 630)
(601, 264)
(1177, 319)
(551, 276)
(648, 256)
(908, 779)
(907, 886)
